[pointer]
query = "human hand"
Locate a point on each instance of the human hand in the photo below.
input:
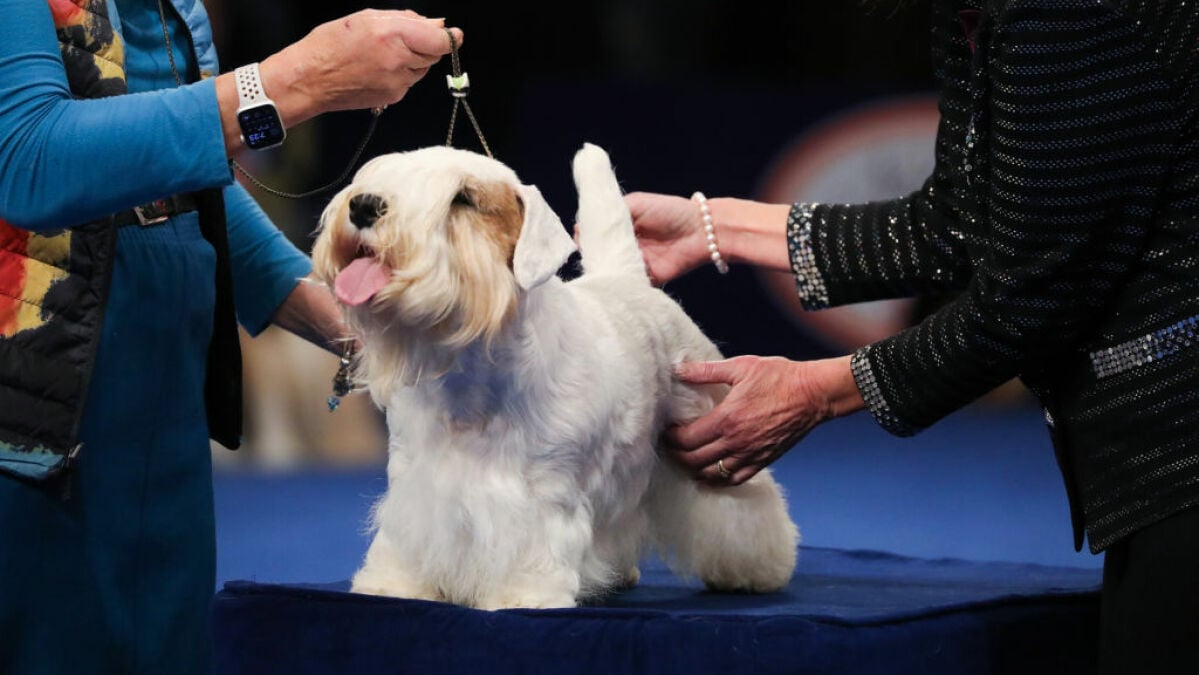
(670, 233)
(365, 60)
(773, 403)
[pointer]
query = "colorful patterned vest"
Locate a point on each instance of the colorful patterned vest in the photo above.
(53, 287)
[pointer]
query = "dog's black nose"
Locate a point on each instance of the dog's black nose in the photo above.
(365, 209)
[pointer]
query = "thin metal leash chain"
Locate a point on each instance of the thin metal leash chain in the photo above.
(375, 112)
(459, 84)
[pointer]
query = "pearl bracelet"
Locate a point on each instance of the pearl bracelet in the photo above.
(710, 233)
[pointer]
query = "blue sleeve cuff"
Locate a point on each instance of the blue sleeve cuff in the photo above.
(266, 266)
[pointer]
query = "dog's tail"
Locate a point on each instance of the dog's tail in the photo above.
(605, 228)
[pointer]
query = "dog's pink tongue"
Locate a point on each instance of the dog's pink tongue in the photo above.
(360, 281)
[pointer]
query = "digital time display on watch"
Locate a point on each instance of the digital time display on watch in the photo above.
(261, 126)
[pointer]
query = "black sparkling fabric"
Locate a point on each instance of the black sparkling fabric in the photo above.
(1064, 206)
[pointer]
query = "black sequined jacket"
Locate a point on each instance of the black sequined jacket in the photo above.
(1064, 206)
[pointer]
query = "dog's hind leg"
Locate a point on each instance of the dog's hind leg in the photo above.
(737, 538)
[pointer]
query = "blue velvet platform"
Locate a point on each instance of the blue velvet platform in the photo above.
(980, 577)
(844, 612)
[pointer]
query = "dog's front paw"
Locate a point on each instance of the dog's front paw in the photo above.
(528, 599)
(391, 585)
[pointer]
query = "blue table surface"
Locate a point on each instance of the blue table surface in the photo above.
(980, 486)
(831, 586)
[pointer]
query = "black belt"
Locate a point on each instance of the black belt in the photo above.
(156, 212)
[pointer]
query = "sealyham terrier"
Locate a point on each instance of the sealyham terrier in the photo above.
(524, 412)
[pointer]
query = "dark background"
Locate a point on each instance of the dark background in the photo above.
(684, 96)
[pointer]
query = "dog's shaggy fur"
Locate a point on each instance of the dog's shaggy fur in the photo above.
(523, 410)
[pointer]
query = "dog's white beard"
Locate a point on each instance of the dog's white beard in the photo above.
(444, 303)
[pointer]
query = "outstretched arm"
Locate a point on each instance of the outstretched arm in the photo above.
(69, 161)
(840, 253)
(673, 242)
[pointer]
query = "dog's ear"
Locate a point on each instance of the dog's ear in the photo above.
(543, 245)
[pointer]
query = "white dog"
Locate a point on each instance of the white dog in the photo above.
(524, 411)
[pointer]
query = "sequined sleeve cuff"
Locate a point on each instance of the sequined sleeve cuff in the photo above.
(813, 293)
(872, 394)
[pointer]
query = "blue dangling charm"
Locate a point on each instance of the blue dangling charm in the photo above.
(341, 381)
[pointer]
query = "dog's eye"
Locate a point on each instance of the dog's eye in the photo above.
(365, 209)
(463, 198)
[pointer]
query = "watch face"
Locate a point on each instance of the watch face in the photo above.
(261, 126)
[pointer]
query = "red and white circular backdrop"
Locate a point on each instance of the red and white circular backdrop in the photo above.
(880, 150)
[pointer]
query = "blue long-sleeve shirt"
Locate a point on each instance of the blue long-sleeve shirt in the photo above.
(64, 161)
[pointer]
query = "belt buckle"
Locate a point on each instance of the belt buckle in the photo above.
(153, 213)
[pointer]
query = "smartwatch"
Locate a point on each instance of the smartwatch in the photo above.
(261, 126)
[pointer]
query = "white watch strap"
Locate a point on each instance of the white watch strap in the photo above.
(249, 86)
